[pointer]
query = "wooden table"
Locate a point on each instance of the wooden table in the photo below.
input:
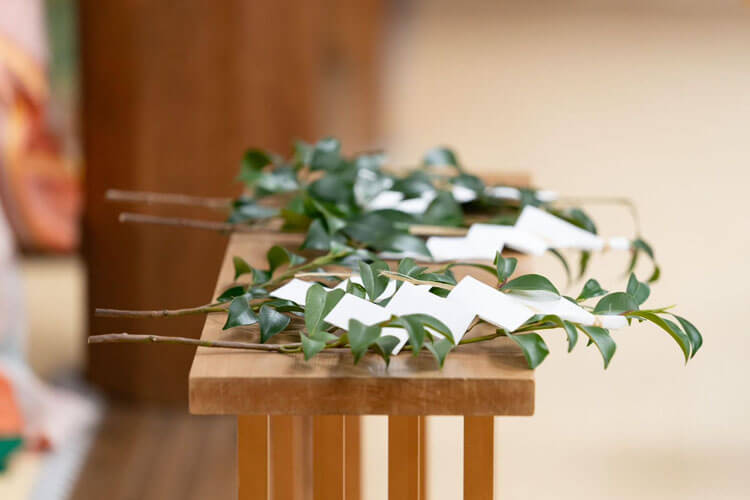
(298, 424)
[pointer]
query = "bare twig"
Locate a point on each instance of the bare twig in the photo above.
(423, 230)
(168, 199)
(159, 313)
(224, 227)
(414, 281)
(158, 339)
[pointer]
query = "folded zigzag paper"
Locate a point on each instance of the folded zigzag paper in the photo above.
(490, 304)
(555, 231)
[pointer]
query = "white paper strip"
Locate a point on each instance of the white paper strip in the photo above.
(416, 205)
(352, 307)
(545, 303)
(411, 299)
(463, 194)
(619, 243)
(611, 321)
(445, 248)
(491, 237)
(489, 304)
(295, 290)
(385, 200)
(511, 193)
(555, 231)
(390, 288)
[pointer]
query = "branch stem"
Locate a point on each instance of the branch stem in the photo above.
(152, 198)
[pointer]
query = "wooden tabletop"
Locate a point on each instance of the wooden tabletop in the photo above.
(489, 378)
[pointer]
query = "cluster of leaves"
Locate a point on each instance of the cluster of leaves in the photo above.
(329, 193)
(251, 304)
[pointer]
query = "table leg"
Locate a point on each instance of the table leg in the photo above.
(404, 458)
(479, 458)
(288, 458)
(252, 457)
(328, 457)
(352, 457)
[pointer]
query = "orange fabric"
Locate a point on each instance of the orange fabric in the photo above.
(11, 423)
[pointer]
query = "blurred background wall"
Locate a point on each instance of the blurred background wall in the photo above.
(647, 100)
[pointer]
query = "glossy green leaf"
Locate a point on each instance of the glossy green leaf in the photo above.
(414, 329)
(533, 347)
(616, 303)
(570, 329)
(240, 313)
(277, 256)
(440, 349)
(531, 282)
(591, 289)
(668, 326)
(404, 242)
(433, 323)
(333, 189)
(279, 180)
(696, 339)
(334, 222)
(504, 267)
(372, 279)
(385, 346)
(240, 267)
(414, 184)
(317, 237)
(311, 346)
(246, 210)
(326, 155)
(564, 263)
(444, 210)
(260, 276)
(471, 182)
(440, 156)
(603, 341)
(361, 337)
(583, 263)
(231, 293)
(253, 162)
(271, 322)
(356, 289)
(638, 290)
(318, 303)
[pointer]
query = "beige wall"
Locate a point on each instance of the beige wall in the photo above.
(649, 102)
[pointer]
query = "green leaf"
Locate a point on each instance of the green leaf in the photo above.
(603, 341)
(317, 237)
(368, 185)
(252, 164)
(696, 339)
(504, 267)
(311, 346)
(570, 329)
(444, 210)
(578, 217)
(564, 263)
(616, 303)
(414, 184)
(373, 281)
(583, 263)
(404, 242)
(283, 305)
(280, 180)
(356, 289)
(240, 313)
(333, 221)
(231, 293)
(326, 155)
(655, 274)
(414, 329)
(332, 188)
(591, 289)
(470, 182)
(278, 256)
(318, 303)
(361, 337)
(432, 322)
(385, 346)
(271, 322)
(246, 209)
(639, 291)
(440, 349)
(240, 267)
(260, 276)
(534, 282)
(484, 267)
(668, 326)
(440, 156)
(533, 347)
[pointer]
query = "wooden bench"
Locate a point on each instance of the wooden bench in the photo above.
(298, 422)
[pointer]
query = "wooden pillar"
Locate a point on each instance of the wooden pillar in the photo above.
(404, 460)
(252, 457)
(173, 93)
(479, 458)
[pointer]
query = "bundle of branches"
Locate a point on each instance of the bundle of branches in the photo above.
(355, 200)
(411, 307)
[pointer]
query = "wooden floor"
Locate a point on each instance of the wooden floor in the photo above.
(156, 454)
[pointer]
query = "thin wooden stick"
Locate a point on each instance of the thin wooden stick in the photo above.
(414, 281)
(168, 199)
(423, 230)
(159, 313)
(158, 339)
(223, 227)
